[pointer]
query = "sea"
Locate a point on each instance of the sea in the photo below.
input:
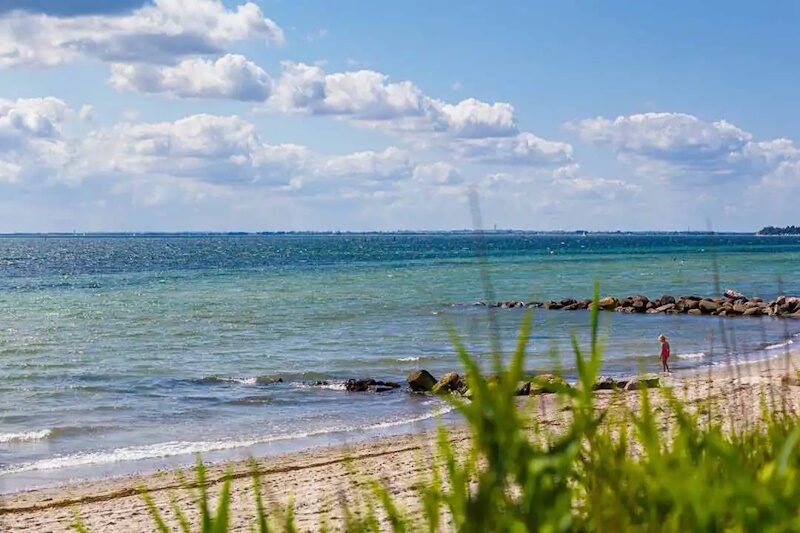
(125, 354)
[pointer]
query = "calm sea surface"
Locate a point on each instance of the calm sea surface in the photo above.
(123, 354)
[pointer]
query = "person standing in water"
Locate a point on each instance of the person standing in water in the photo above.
(664, 352)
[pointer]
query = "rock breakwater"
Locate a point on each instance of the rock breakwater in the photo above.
(731, 304)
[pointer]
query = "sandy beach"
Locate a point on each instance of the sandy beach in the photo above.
(317, 480)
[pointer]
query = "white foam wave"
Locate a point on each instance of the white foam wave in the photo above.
(176, 448)
(27, 436)
(696, 355)
(779, 345)
(408, 359)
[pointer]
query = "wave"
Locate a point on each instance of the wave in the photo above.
(25, 436)
(408, 359)
(177, 448)
(697, 355)
(779, 345)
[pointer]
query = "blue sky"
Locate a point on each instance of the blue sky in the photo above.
(278, 115)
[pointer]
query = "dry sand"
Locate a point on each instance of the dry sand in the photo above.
(318, 479)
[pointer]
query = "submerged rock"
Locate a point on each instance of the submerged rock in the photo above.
(421, 381)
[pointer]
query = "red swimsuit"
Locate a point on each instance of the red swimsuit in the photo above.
(664, 351)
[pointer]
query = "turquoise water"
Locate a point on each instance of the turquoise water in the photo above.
(121, 354)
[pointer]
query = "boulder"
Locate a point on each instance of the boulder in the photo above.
(609, 383)
(572, 307)
(523, 388)
(568, 301)
(640, 303)
(667, 299)
(733, 295)
(626, 302)
(752, 311)
(690, 304)
(608, 303)
(421, 381)
(447, 383)
(552, 305)
(268, 380)
(739, 308)
(665, 307)
(647, 381)
(694, 311)
(708, 306)
(541, 383)
(369, 385)
(792, 380)
(627, 309)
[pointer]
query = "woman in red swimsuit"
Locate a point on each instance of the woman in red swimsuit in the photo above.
(664, 353)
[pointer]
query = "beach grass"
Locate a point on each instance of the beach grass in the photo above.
(673, 468)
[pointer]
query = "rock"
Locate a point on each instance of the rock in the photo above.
(568, 301)
(756, 299)
(664, 308)
(523, 389)
(421, 381)
(572, 306)
(733, 295)
(651, 305)
(627, 309)
(585, 304)
(268, 380)
(694, 311)
(369, 385)
(608, 303)
(552, 305)
(447, 383)
(667, 299)
(542, 381)
(640, 303)
(708, 306)
(752, 311)
(647, 381)
(609, 383)
(691, 304)
(792, 380)
(626, 302)
(739, 308)
(781, 301)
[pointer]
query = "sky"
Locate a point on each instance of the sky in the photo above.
(201, 115)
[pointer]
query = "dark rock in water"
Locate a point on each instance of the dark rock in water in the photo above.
(708, 306)
(665, 307)
(421, 381)
(447, 383)
(369, 385)
(523, 389)
(640, 303)
(667, 299)
(321, 383)
(572, 307)
(568, 301)
(268, 380)
(626, 302)
(552, 305)
(647, 381)
(733, 295)
(626, 309)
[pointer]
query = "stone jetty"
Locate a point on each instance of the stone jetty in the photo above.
(731, 304)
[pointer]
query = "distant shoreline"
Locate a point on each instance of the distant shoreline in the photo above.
(562, 233)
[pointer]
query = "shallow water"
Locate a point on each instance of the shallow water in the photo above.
(127, 353)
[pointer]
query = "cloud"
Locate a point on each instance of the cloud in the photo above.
(521, 149)
(70, 7)
(369, 166)
(31, 144)
(369, 97)
(439, 173)
(670, 141)
(86, 113)
(478, 131)
(155, 33)
(231, 76)
(360, 95)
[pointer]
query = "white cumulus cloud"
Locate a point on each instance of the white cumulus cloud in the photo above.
(230, 76)
(156, 33)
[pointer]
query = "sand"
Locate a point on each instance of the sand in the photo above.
(319, 479)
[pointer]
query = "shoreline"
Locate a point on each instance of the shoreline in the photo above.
(230, 452)
(314, 476)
